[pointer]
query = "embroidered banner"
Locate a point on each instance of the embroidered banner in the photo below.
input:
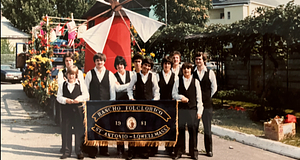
(138, 122)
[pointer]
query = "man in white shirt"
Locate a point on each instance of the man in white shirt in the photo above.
(70, 95)
(146, 88)
(188, 90)
(176, 57)
(123, 78)
(145, 83)
(166, 79)
(101, 86)
(68, 59)
(208, 84)
(100, 81)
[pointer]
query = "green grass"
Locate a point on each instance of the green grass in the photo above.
(241, 121)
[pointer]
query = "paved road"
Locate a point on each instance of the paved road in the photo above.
(27, 133)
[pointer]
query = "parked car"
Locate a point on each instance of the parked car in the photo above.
(9, 74)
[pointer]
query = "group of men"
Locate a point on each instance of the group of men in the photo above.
(192, 85)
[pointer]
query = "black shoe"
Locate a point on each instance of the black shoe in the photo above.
(194, 157)
(80, 156)
(105, 154)
(209, 154)
(120, 154)
(177, 157)
(129, 156)
(92, 156)
(64, 156)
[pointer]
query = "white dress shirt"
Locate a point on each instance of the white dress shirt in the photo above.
(212, 78)
(167, 76)
(187, 83)
(123, 87)
(100, 75)
(84, 97)
(60, 76)
(176, 70)
(155, 88)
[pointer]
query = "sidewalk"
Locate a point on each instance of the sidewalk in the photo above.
(27, 133)
(269, 145)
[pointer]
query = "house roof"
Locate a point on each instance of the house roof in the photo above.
(9, 31)
(273, 3)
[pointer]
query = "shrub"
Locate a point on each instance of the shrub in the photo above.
(238, 95)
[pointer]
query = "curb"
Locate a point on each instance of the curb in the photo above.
(252, 140)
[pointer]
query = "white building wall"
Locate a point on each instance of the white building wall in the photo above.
(238, 12)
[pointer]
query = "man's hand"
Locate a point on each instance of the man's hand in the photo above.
(184, 100)
(75, 101)
(69, 101)
(199, 115)
(132, 99)
(117, 83)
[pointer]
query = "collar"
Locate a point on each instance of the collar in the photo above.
(76, 82)
(185, 79)
(168, 74)
(103, 69)
(121, 74)
(204, 69)
(143, 74)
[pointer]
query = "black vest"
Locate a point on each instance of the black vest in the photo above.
(143, 91)
(165, 89)
(190, 93)
(97, 90)
(75, 93)
(205, 88)
(64, 71)
(123, 94)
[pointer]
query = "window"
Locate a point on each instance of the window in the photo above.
(228, 15)
(221, 15)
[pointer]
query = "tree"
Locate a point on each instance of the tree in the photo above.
(24, 14)
(6, 47)
(77, 7)
(187, 11)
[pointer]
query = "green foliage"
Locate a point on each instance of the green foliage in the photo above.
(25, 14)
(171, 38)
(6, 47)
(238, 95)
(186, 11)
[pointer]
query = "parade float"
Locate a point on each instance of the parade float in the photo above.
(107, 28)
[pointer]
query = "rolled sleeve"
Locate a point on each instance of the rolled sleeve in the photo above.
(155, 88)
(112, 83)
(60, 98)
(130, 87)
(199, 97)
(175, 94)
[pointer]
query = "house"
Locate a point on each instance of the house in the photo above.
(13, 36)
(229, 11)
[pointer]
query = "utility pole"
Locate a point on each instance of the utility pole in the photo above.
(166, 13)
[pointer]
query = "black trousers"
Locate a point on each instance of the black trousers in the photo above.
(206, 120)
(72, 117)
(187, 116)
